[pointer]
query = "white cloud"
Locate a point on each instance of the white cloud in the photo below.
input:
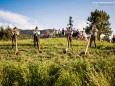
(18, 20)
(80, 24)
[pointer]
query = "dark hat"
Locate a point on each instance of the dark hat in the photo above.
(15, 28)
(36, 27)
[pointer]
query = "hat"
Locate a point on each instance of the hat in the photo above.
(36, 28)
(15, 28)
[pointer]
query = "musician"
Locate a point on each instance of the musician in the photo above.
(15, 32)
(36, 34)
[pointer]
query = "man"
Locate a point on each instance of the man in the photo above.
(59, 33)
(69, 36)
(63, 33)
(93, 32)
(84, 36)
(36, 33)
(15, 32)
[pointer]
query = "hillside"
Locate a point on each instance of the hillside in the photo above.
(53, 68)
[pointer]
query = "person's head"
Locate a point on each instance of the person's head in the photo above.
(70, 17)
(15, 28)
(93, 26)
(36, 28)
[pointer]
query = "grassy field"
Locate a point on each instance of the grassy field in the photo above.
(53, 68)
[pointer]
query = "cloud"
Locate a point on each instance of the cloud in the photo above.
(80, 24)
(18, 20)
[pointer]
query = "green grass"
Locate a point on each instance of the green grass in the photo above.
(53, 68)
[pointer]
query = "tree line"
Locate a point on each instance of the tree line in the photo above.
(5, 33)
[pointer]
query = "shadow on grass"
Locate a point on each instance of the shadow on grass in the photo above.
(18, 45)
(77, 45)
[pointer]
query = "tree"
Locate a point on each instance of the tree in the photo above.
(5, 33)
(8, 32)
(2, 32)
(101, 19)
(70, 22)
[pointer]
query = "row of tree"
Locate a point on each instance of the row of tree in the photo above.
(5, 34)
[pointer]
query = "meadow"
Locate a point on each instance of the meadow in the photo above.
(53, 68)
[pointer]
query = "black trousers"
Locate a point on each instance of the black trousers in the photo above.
(113, 40)
(35, 41)
(69, 39)
(93, 38)
(13, 40)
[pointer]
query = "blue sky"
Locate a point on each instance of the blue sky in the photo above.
(27, 14)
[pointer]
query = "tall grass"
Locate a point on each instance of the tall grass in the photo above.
(53, 68)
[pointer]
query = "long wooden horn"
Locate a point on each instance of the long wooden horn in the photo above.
(17, 52)
(87, 45)
(39, 46)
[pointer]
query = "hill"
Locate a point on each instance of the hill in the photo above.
(53, 68)
(30, 32)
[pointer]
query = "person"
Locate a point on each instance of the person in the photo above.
(63, 32)
(69, 36)
(36, 34)
(59, 33)
(78, 34)
(113, 39)
(15, 32)
(84, 36)
(46, 35)
(74, 32)
(93, 32)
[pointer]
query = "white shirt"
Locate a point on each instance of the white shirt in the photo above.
(15, 32)
(94, 31)
(36, 32)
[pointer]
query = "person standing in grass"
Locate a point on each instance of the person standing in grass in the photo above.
(36, 34)
(69, 36)
(69, 31)
(63, 33)
(84, 36)
(59, 33)
(93, 32)
(15, 32)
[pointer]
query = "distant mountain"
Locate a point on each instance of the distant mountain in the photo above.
(30, 32)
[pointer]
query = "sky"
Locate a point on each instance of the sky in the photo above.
(48, 14)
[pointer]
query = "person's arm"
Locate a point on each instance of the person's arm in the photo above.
(38, 32)
(12, 32)
(91, 32)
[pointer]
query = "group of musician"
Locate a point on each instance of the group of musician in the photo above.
(69, 32)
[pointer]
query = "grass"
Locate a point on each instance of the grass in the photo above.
(53, 68)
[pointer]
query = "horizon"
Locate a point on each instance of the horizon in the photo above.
(49, 14)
